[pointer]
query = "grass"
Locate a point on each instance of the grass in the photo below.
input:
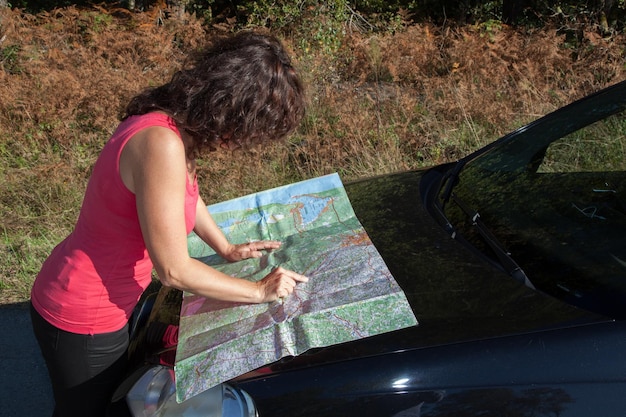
(419, 96)
(580, 151)
(22, 259)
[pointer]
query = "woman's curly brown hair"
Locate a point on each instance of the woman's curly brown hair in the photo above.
(242, 89)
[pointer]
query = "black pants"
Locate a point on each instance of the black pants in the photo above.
(84, 369)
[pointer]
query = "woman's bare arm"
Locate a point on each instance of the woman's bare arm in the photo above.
(153, 166)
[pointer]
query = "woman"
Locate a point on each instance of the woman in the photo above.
(142, 201)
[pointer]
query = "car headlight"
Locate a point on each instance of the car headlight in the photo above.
(154, 395)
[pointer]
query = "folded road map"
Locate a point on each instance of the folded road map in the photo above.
(350, 294)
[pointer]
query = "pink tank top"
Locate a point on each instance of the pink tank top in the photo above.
(93, 279)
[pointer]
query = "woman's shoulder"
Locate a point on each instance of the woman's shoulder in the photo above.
(153, 149)
(156, 137)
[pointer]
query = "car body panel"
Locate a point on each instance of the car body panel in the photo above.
(573, 366)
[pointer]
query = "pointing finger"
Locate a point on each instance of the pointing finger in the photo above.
(291, 274)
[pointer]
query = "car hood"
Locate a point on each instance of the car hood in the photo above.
(455, 295)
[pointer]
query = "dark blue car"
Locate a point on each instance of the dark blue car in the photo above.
(514, 262)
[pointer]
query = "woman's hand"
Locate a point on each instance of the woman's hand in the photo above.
(279, 284)
(249, 250)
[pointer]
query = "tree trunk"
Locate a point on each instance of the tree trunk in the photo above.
(511, 10)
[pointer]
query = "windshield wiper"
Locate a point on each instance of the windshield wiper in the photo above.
(504, 257)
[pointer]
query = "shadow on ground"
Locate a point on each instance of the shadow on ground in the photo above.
(24, 385)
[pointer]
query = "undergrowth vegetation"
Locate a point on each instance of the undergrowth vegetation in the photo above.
(379, 102)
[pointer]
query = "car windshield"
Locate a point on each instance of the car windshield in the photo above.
(548, 205)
